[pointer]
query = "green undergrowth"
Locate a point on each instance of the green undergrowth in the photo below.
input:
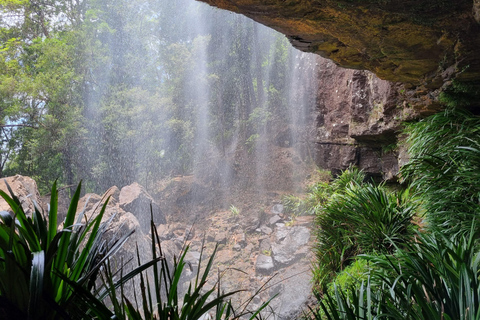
(383, 266)
(359, 217)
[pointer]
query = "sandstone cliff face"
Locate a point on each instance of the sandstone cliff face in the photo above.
(357, 120)
(421, 42)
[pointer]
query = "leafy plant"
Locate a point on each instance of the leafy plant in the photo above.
(363, 218)
(444, 169)
(317, 195)
(46, 273)
(234, 211)
(163, 300)
(433, 278)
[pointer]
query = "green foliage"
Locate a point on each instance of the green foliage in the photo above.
(234, 211)
(292, 204)
(445, 169)
(432, 278)
(318, 194)
(360, 218)
(436, 276)
(45, 272)
(349, 178)
(350, 277)
(461, 94)
(166, 302)
(124, 80)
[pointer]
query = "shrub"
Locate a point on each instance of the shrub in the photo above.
(164, 301)
(50, 274)
(433, 278)
(363, 218)
(445, 169)
(45, 273)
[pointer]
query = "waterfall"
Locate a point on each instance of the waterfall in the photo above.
(210, 112)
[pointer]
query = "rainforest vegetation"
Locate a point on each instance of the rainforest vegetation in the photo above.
(409, 252)
(127, 82)
(84, 82)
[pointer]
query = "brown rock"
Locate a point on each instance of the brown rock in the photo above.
(135, 199)
(25, 189)
(399, 40)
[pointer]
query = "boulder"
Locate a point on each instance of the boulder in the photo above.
(273, 220)
(277, 209)
(135, 199)
(293, 293)
(290, 248)
(264, 265)
(25, 189)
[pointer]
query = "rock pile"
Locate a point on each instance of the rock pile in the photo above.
(266, 248)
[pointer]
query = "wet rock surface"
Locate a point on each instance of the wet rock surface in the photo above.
(357, 119)
(276, 255)
(135, 199)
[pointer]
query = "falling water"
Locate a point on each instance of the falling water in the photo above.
(206, 109)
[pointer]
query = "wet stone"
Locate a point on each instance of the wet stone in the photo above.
(266, 230)
(273, 220)
(265, 245)
(277, 209)
(282, 231)
(264, 264)
(289, 249)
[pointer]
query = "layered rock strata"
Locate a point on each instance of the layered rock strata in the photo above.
(417, 42)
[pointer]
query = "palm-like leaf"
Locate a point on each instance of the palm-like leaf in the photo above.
(44, 271)
(362, 219)
(445, 169)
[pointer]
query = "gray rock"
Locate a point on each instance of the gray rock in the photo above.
(273, 220)
(293, 295)
(264, 264)
(192, 257)
(221, 238)
(281, 231)
(277, 209)
(289, 249)
(265, 245)
(25, 189)
(135, 199)
(266, 230)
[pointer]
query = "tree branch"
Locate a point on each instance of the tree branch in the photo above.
(17, 125)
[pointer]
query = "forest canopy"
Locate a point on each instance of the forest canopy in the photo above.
(113, 92)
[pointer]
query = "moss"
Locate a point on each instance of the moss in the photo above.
(461, 94)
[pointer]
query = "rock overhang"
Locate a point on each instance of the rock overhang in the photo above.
(421, 42)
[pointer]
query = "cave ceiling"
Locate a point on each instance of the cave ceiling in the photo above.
(417, 42)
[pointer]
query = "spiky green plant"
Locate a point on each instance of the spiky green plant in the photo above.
(46, 272)
(350, 177)
(433, 278)
(163, 299)
(445, 169)
(363, 218)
